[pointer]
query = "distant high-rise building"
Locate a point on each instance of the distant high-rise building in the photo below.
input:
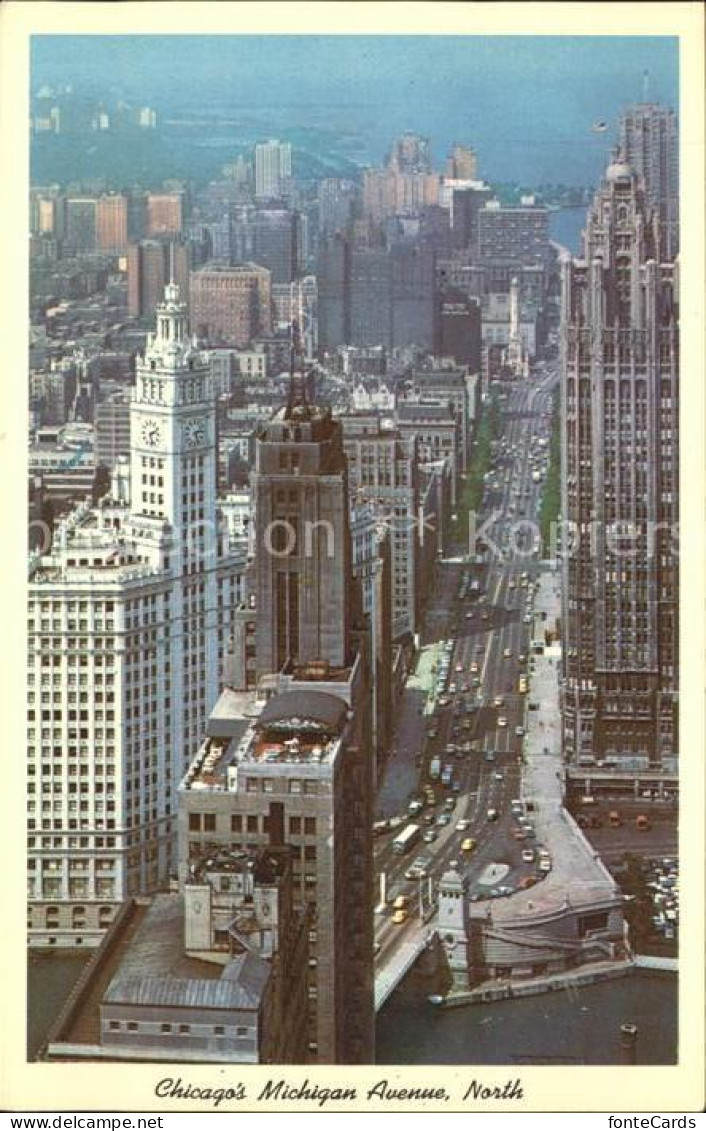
(337, 199)
(230, 305)
(111, 223)
(410, 153)
(620, 452)
(333, 277)
(412, 296)
(164, 213)
(516, 234)
(112, 428)
(370, 297)
(274, 242)
(462, 164)
(649, 141)
(150, 266)
(273, 169)
(458, 328)
(81, 222)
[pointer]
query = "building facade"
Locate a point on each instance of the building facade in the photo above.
(620, 452)
(128, 624)
(230, 306)
(649, 142)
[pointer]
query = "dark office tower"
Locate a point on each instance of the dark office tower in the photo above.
(410, 154)
(649, 141)
(333, 278)
(81, 222)
(466, 203)
(303, 552)
(336, 204)
(149, 264)
(370, 308)
(620, 419)
(412, 296)
(136, 214)
(275, 242)
(458, 328)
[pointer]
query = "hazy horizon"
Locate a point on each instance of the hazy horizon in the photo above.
(527, 104)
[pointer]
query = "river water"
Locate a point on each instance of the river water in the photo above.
(579, 1026)
(566, 225)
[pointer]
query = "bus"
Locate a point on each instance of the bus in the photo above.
(407, 838)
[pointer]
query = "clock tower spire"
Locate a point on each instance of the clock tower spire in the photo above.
(173, 427)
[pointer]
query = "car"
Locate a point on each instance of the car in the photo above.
(459, 667)
(485, 616)
(522, 659)
(491, 815)
(450, 804)
(474, 667)
(400, 903)
(502, 721)
(498, 701)
(429, 836)
(498, 776)
(528, 856)
(489, 756)
(512, 585)
(443, 819)
(469, 616)
(400, 916)
(429, 818)
(519, 834)
(507, 653)
(545, 864)
(463, 825)
(452, 688)
(520, 731)
(527, 619)
(468, 844)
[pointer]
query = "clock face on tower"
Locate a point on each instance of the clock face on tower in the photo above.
(151, 433)
(194, 433)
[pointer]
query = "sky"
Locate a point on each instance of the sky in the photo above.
(526, 104)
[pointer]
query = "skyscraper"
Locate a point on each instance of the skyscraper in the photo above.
(230, 305)
(462, 164)
(301, 773)
(127, 617)
(620, 420)
(164, 213)
(81, 218)
(273, 169)
(150, 266)
(649, 141)
(410, 153)
(300, 490)
(111, 222)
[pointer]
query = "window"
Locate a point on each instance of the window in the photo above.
(194, 822)
(236, 823)
(252, 825)
(185, 1028)
(310, 826)
(166, 1028)
(219, 1030)
(132, 1026)
(209, 822)
(114, 1025)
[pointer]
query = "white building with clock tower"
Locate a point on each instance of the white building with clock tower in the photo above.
(130, 615)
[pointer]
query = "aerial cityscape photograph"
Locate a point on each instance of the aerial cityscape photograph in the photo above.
(353, 582)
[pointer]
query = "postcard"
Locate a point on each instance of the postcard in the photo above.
(352, 433)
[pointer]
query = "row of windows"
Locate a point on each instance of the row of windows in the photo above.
(167, 1027)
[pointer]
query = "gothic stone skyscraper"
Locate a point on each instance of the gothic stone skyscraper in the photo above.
(620, 390)
(649, 136)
